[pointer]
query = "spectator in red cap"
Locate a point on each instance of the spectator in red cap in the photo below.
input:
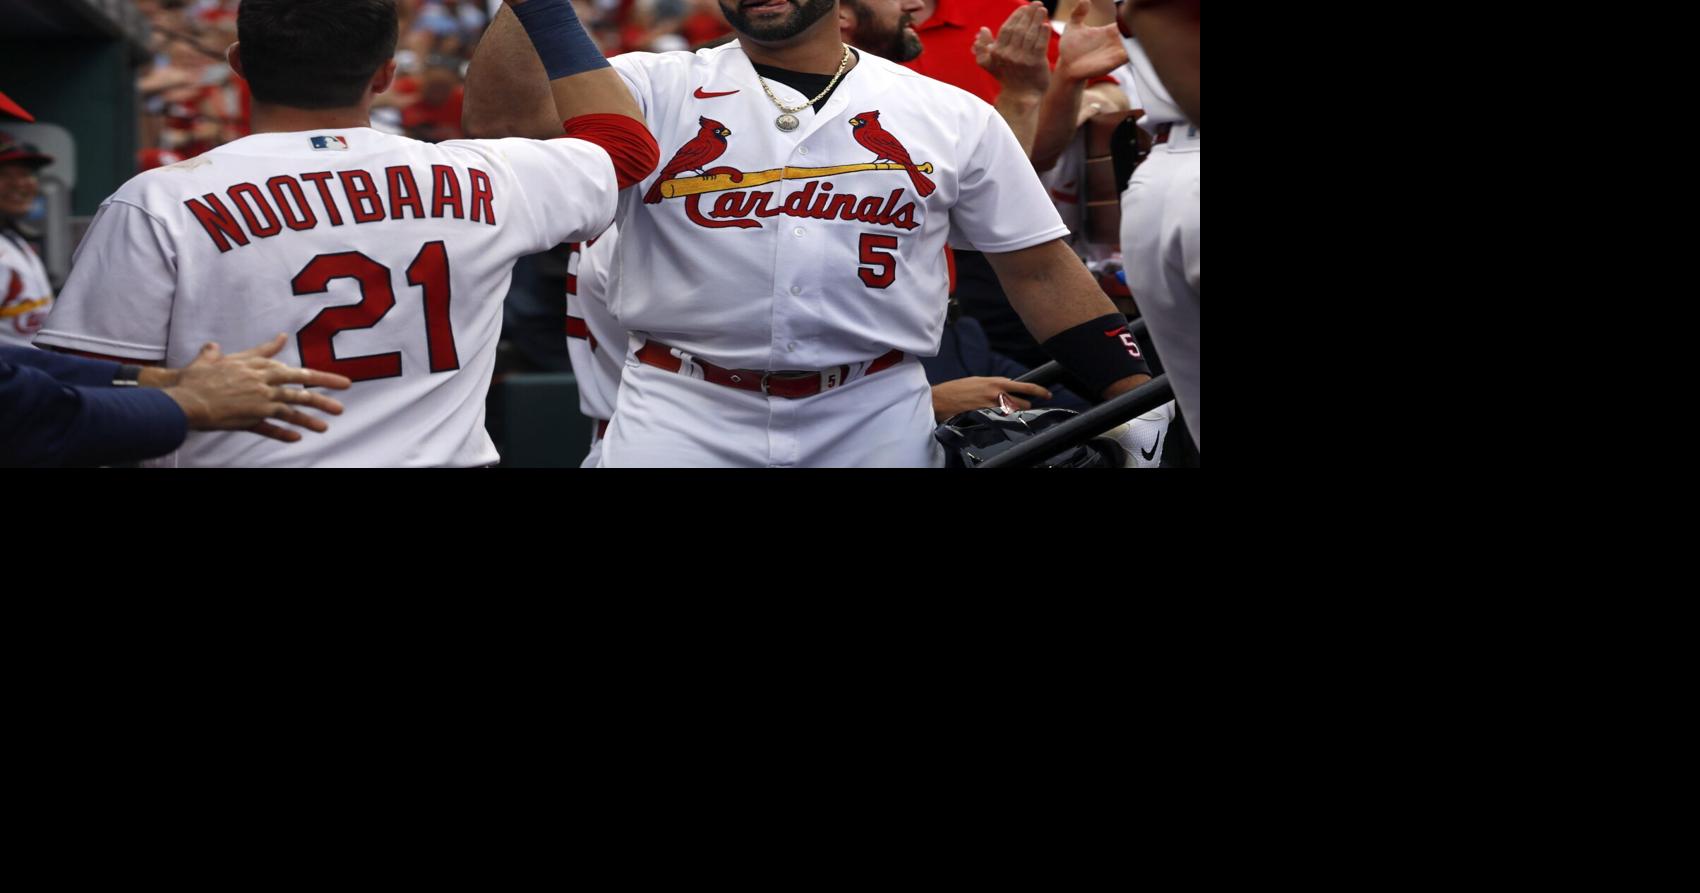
(25, 292)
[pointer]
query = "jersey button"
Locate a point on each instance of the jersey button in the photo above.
(796, 289)
(791, 348)
(803, 150)
(798, 232)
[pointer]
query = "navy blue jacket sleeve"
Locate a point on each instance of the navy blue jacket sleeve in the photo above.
(998, 364)
(64, 367)
(46, 422)
(964, 351)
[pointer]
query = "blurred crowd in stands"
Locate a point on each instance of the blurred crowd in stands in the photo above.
(192, 102)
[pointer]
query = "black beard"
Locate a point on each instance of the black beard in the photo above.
(908, 44)
(808, 13)
(900, 45)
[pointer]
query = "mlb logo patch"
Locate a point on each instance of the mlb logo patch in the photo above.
(335, 143)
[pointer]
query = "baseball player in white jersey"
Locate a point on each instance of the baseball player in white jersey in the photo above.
(384, 259)
(784, 268)
(595, 341)
(25, 292)
(1160, 235)
(875, 25)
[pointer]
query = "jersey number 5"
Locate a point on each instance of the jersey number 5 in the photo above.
(429, 272)
(871, 243)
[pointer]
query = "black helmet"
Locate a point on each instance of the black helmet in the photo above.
(970, 438)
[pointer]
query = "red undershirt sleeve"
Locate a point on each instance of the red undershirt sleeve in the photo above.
(626, 141)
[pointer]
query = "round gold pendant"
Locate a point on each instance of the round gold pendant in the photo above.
(786, 123)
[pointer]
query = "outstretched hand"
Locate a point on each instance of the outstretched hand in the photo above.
(1086, 52)
(984, 392)
(242, 391)
(1016, 57)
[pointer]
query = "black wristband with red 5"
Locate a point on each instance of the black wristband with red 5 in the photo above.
(1099, 352)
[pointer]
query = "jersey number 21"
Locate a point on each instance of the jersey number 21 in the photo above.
(428, 272)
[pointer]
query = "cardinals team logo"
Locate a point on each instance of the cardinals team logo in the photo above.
(25, 315)
(738, 203)
(707, 145)
(876, 139)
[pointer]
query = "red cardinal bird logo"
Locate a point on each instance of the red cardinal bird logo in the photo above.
(876, 139)
(707, 145)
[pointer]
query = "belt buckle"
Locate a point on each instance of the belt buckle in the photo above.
(764, 377)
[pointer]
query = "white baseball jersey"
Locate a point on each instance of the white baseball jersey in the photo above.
(595, 341)
(819, 247)
(384, 259)
(1160, 236)
(1160, 250)
(1149, 93)
(25, 292)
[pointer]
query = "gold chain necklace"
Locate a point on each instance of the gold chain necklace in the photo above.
(787, 121)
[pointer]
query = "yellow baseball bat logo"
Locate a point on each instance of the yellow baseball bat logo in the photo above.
(722, 182)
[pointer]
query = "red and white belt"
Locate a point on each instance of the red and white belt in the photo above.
(789, 385)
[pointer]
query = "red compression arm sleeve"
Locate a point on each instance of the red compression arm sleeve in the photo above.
(627, 141)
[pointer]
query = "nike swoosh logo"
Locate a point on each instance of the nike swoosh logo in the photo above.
(1116, 331)
(1154, 444)
(701, 95)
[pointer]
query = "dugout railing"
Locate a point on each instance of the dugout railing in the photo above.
(1089, 424)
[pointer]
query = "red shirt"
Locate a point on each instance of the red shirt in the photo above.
(947, 40)
(702, 28)
(447, 115)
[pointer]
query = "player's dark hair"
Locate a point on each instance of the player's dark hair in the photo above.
(314, 54)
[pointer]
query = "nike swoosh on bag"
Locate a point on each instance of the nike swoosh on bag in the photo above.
(1154, 444)
(701, 95)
